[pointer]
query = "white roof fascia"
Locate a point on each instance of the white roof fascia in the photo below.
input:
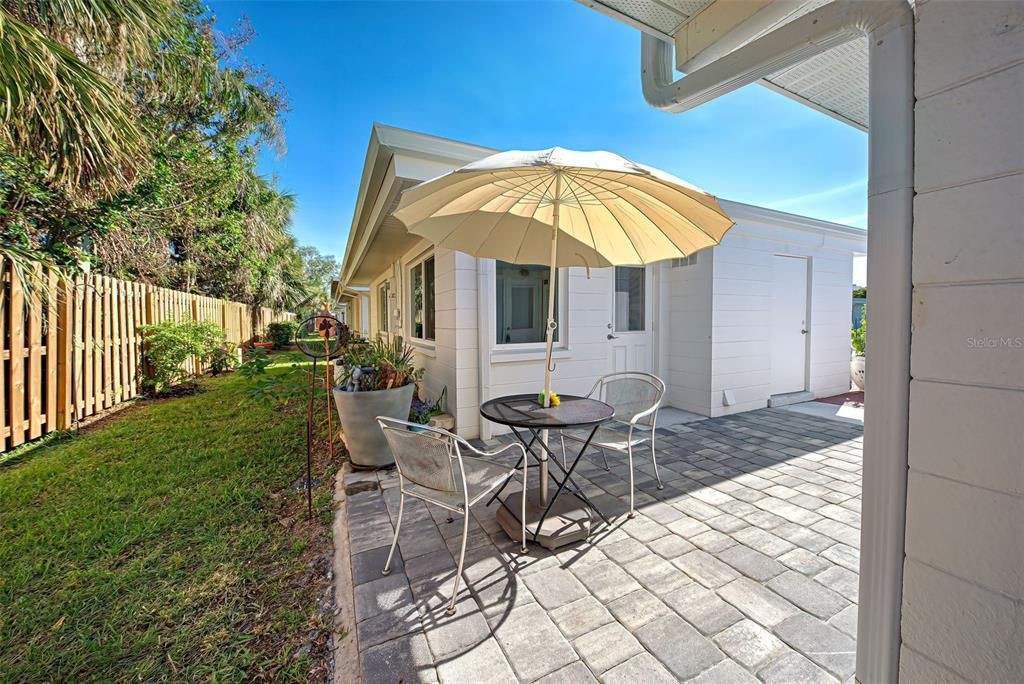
(739, 211)
(397, 154)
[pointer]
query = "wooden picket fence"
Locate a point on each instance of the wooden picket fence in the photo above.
(73, 348)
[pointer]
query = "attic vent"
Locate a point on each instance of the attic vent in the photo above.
(685, 261)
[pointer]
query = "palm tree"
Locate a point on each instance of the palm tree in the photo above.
(62, 65)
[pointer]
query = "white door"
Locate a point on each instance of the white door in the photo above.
(789, 324)
(629, 333)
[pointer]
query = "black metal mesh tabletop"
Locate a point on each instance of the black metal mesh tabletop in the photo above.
(522, 410)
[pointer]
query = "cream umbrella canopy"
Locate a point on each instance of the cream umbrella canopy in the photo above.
(563, 208)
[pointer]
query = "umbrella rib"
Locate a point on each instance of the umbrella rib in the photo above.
(622, 227)
(651, 200)
(467, 215)
(590, 229)
(530, 222)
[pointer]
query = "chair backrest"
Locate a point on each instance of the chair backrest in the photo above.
(427, 457)
(631, 393)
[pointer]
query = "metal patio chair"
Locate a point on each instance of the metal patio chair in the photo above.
(432, 468)
(636, 398)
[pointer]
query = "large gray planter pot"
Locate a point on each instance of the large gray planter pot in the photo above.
(358, 413)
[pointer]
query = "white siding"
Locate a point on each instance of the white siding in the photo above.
(963, 587)
(741, 312)
(437, 359)
(581, 355)
(687, 356)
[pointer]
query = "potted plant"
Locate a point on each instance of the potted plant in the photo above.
(857, 362)
(377, 379)
(422, 409)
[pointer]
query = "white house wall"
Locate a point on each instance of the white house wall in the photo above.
(963, 585)
(686, 355)
(438, 360)
(581, 355)
(740, 271)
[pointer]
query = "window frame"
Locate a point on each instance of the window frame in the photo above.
(384, 308)
(646, 301)
(561, 315)
(420, 262)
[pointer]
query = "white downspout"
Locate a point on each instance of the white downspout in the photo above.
(889, 26)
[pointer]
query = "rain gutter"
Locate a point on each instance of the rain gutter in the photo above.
(889, 26)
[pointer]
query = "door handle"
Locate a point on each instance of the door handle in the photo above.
(803, 332)
(612, 337)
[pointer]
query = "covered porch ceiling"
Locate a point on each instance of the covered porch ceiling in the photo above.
(834, 82)
(396, 159)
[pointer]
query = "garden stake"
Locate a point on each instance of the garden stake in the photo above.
(309, 442)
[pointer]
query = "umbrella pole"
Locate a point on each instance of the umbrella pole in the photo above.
(556, 202)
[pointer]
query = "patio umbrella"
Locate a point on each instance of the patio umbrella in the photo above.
(563, 208)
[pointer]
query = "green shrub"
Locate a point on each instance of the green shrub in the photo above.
(857, 335)
(171, 346)
(280, 334)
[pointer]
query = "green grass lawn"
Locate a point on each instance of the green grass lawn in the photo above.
(165, 544)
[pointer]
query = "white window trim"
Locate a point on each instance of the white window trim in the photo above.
(648, 328)
(525, 351)
(385, 322)
(421, 343)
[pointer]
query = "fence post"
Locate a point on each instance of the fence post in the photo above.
(65, 353)
(197, 361)
(16, 399)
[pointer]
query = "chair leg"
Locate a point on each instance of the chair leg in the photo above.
(562, 437)
(654, 460)
(629, 455)
(394, 542)
(462, 559)
(604, 455)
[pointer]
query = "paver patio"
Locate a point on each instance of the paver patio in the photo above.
(743, 568)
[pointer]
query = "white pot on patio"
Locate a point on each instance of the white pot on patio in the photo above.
(857, 371)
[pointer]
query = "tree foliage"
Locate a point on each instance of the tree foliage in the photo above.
(129, 137)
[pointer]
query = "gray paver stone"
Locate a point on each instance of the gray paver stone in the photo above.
(705, 568)
(407, 660)
(825, 645)
(641, 668)
(804, 561)
(679, 646)
(581, 616)
(390, 593)
(482, 663)
(637, 609)
(554, 587)
(606, 647)
(573, 673)
(725, 672)
(793, 668)
(702, 608)
(758, 603)
(813, 597)
(605, 580)
(526, 630)
(749, 644)
(751, 563)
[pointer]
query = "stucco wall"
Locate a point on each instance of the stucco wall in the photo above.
(963, 587)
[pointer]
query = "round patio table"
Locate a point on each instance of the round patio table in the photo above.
(552, 521)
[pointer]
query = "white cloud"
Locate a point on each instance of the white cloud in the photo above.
(821, 194)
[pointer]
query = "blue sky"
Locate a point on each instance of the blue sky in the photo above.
(527, 75)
